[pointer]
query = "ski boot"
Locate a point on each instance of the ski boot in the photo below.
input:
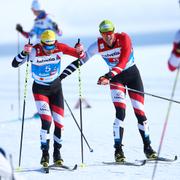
(119, 155)
(58, 161)
(149, 152)
(45, 159)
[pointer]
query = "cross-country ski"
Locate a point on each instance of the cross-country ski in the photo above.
(160, 159)
(63, 167)
(126, 163)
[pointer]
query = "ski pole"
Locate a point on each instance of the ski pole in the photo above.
(19, 82)
(149, 94)
(166, 122)
(24, 106)
(80, 108)
(90, 149)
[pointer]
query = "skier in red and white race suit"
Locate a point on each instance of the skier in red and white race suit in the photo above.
(174, 59)
(116, 50)
(45, 58)
(42, 22)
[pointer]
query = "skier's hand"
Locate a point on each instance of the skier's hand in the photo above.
(178, 48)
(27, 48)
(55, 26)
(19, 28)
(103, 80)
(80, 50)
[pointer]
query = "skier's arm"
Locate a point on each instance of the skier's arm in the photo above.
(19, 28)
(71, 68)
(79, 62)
(22, 57)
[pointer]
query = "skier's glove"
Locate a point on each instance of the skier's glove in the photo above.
(55, 26)
(19, 28)
(27, 48)
(178, 48)
(104, 80)
(80, 50)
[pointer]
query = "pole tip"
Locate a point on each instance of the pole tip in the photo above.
(91, 150)
(82, 165)
(18, 169)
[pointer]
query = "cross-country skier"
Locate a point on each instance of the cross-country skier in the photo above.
(174, 59)
(116, 50)
(45, 58)
(42, 22)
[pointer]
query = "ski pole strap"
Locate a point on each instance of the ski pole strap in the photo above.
(79, 74)
(26, 79)
(79, 78)
(26, 75)
(149, 94)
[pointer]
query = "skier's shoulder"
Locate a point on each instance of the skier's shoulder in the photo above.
(123, 38)
(61, 46)
(36, 46)
(37, 50)
(122, 35)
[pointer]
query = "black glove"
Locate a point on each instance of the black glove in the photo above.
(108, 76)
(19, 28)
(55, 26)
(77, 44)
(178, 48)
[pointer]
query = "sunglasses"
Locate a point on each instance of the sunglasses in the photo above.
(107, 33)
(48, 47)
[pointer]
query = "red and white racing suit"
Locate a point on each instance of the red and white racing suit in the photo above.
(47, 89)
(124, 73)
(174, 59)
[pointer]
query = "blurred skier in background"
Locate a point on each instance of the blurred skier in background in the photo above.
(116, 50)
(42, 22)
(174, 59)
(45, 58)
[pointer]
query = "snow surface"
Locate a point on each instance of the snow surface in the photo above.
(98, 120)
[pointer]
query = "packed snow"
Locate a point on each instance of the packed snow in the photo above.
(98, 120)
